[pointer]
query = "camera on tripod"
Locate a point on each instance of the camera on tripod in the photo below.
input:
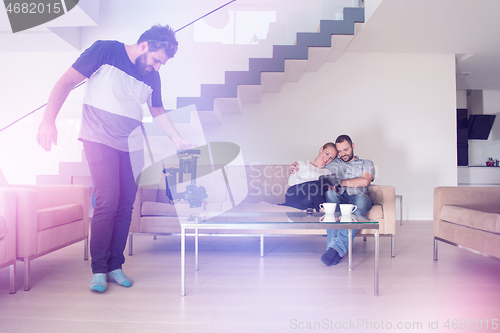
(194, 194)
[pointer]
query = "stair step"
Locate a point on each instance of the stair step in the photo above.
(339, 44)
(272, 82)
(53, 180)
(227, 105)
(241, 77)
(74, 168)
(314, 39)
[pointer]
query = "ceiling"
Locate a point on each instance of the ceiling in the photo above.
(470, 29)
(59, 35)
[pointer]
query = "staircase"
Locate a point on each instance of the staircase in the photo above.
(74, 173)
(265, 75)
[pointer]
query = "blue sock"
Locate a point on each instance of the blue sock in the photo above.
(336, 260)
(119, 277)
(328, 258)
(98, 282)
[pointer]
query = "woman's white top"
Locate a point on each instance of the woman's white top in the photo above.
(307, 172)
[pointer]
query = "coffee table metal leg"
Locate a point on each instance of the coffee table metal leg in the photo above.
(183, 261)
(261, 245)
(349, 242)
(196, 239)
(377, 252)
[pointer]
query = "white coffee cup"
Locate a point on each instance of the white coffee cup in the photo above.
(347, 209)
(328, 207)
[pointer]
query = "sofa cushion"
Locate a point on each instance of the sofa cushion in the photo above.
(471, 218)
(375, 212)
(3, 227)
(151, 208)
(56, 216)
(160, 224)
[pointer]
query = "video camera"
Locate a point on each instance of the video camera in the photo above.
(194, 194)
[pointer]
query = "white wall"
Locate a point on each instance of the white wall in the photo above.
(25, 83)
(399, 109)
(461, 99)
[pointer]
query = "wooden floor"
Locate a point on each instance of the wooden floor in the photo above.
(236, 290)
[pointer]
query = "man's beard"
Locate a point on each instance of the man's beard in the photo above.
(140, 64)
(347, 157)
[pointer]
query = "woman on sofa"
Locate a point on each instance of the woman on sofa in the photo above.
(304, 180)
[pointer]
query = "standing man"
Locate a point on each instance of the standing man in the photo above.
(120, 78)
(353, 175)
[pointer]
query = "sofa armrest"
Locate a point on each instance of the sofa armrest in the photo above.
(481, 198)
(145, 192)
(385, 196)
(8, 215)
(27, 224)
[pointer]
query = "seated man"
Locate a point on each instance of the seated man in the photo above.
(350, 177)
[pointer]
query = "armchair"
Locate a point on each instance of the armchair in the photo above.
(8, 235)
(48, 218)
(468, 217)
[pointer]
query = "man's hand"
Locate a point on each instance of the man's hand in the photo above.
(184, 144)
(163, 121)
(47, 131)
(47, 134)
(293, 168)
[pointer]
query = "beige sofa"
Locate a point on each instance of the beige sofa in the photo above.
(264, 187)
(8, 234)
(468, 217)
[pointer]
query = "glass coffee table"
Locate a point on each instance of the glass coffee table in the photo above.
(274, 220)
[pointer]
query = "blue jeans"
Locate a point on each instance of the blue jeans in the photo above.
(115, 189)
(338, 238)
